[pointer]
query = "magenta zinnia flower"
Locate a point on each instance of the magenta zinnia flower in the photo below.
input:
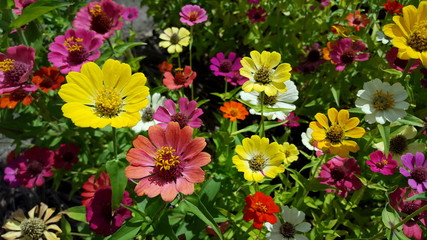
(291, 120)
(11, 173)
(66, 156)
(130, 14)
(37, 165)
(253, 1)
(102, 219)
(102, 17)
(20, 5)
(312, 60)
(236, 79)
(380, 163)
(397, 201)
(397, 63)
(339, 172)
(345, 52)
(416, 170)
(257, 14)
(15, 69)
(222, 66)
(70, 51)
(192, 14)
(188, 115)
(168, 162)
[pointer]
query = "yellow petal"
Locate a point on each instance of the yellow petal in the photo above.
(257, 176)
(94, 75)
(270, 90)
(409, 16)
(248, 65)
(11, 235)
(270, 60)
(12, 225)
(357, 132)
(343, 116)
(256, 57)
(332, 115)
(350, 123)
(83, 116)
(126, 119)
(71, 92)
(322, 120)
(116, 74)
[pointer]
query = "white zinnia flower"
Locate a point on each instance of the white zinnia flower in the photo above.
(147, 113)
(382, 38)
(307, 140)
(382, 102)
(280, 100)
(293, 223)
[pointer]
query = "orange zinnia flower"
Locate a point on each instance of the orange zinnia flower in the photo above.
(260, 208)
(48, 78)
(165, 67)
(357, 20)
(234, 110)
(10, 100)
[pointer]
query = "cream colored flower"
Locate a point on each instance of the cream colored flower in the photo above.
(174, 39)
(291, 153)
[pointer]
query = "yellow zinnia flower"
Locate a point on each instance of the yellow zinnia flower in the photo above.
(259, 69)
(111, 96)
(291, 153)
(39, 225)
(409, 33)
(257, 158)
(174, 39)
(331, 138)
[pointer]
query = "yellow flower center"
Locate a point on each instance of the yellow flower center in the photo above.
(335, 134)
(193, 16)
(257, 163)
(262, 75)
(269, 100)
(73, 44)
(96, 10)
(165, 158)
(260, 207)
(32, 228)
(7, 65)
(418, 37)
(108, 103)
(381, 163)
(383, 101)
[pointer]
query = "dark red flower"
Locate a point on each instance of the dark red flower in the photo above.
(393, 7)
(92, 185)
(37, 165)
(66, 156)
(260, 208)
(165, 67)
(257, 14)
(397, 63)
(48, 78)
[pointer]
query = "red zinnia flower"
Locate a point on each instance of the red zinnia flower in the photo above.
(393, 7)
(260, 208)
(92, 185)
(357, 20)
(165, 67)
(48, 78)
(181, 78)
(234, 110)
(257, 14)
(66, 156)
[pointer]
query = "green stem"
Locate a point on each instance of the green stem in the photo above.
(261, 129)
(226, 86)
(179, 60)
(408, 66)
(191, 46)
(79, 234)
(115, 143)
(111, 47)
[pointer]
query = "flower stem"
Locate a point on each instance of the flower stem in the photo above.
(115, 142)
(261, 129)
(191, 60)
(79, 234)
(111, 47)
(406, 71)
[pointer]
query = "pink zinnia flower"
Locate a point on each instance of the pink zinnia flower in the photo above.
(397, 201)
(397, 63)
(291, 120)
(323, 4)
(167, 162)
(339, 172)
(237, 79)
(77, 47)
(93, 184)
(37, 165)
(102, 219)
(345, 51)
(380, 163)
(257, 14)
(192, 14)
(66, 156)
(130, 14)
(15, 69)
(188, 115)
(357, 20)
(102, 17)
(181, 78)
(222, 66)
(21, 4)
(416, 170)
(11, 173)
(253, 1)
(312, 60)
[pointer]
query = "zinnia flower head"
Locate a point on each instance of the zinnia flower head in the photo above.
(321, 4)
(48, 78)
(130, 14)
(66, 156)
(339, 173)
(15, 69)
(257, 14)
(345, 52)
(180, 78)
(98, 97)
(261, 208)
(77, 47)
(398, 201)
(291, 153)
(393, 7)
(103, 17)
(290, 228)
(259, 69)
(147, 113)
(192, 14)
(41, 224)
(379, 162)
(258, 158)
(93, 184)
(416, 171)
(382, 102)
(11, 171)
(397, 63)
(291, 120)
(331, 137)
(11, 99)
(357, 20)
(174, 39)
(36, 166)
(165, 67)
(312, 60)
(188, 114)
(225, 66)
(409, 33)
(234, 110)
(167, 162)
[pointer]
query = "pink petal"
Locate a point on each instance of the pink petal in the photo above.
(194, 175)
(170, 106)
(194, 148)
(145, 144)
(138, 172)
(137, 157)
(185, 187)
(169, 192)
(157, 136)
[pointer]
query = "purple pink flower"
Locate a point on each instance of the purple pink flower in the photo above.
(397, 63)
(416, 170)
(322, 4)
(225, 66)
(257, 14)
(77, 47)
(188, 114)
(237, 79)
(66, 156)
(11, 173)
(192, 14)
(345, 52)
(253, 1)
(340, 173)
(102, 17)
(168, 162)
(312, 60)
(380, 163)
(291, 120)
(180, 78)
(130, 14)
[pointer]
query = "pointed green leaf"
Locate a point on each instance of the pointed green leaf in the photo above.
(116, 170)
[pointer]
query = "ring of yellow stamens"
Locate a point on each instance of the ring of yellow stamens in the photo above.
(382, 101)
(7, 65)
(418, 37)
(335, 134)
(96, 10)
(263, 75)
(193, 16)
(73, 44)
(108, 103)
(381, 163)
(165, 158)
(260, 207)
(257, 163)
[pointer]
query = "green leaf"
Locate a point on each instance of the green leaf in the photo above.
(210, 190)
(336, 94)
(116, 170)
(390, 217)
(419, 196)
(121, 48)
(77, 213)
(395, 72)
(411, 120)
(163, 227)
(385, 135)
(127, 231)
(37, 9)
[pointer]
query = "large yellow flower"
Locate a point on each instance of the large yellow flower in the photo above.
(409, 33)
(259, 69)
(174, 39)
(331, 137)
(111, 96)
(258, 158)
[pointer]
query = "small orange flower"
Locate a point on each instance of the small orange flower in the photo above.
(234, 110)
(165, 67)
(48, 78)
(10, 100)
(261, 208)
(357, 20)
